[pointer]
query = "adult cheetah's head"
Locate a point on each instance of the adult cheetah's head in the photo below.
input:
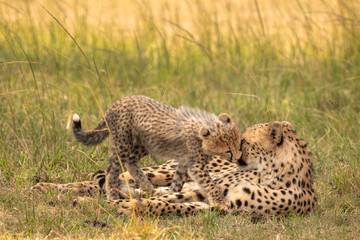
(222, 139)
(262, 141)
(281, 156)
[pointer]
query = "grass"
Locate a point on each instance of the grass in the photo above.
(259, 61)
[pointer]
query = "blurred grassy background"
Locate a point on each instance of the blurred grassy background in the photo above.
(257, 60)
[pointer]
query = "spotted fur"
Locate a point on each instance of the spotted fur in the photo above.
(275, 177)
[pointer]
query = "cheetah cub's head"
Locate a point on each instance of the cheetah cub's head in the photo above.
(222, 139)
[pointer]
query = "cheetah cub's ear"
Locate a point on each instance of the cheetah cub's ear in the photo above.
(276, 132)
(204, 133)
(225, 118)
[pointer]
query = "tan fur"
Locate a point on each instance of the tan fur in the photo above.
(140, 126)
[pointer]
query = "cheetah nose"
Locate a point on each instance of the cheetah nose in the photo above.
(241, 162)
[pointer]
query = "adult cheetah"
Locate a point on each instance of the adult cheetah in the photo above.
(140, 126)
(276, 177)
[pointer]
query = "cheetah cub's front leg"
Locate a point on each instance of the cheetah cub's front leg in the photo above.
(196, 167)
(199, 172)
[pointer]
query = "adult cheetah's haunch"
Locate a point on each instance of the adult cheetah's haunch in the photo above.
(140, 126)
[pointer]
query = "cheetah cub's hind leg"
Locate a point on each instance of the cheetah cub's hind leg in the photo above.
(112, 181)
(131, 162)
(138, 153)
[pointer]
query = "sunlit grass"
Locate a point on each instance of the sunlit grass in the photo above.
(256, 60)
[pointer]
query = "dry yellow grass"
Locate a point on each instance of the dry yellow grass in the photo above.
(292, 23)
(258, 60)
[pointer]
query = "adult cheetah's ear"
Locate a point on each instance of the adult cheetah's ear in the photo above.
(276, 132)
(204, 133)
(225, 118)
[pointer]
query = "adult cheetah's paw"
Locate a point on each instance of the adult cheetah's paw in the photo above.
(160, 191)
(222, 205)
(42, 187)
(128, 207)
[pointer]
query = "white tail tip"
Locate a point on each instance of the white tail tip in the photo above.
(76, 118)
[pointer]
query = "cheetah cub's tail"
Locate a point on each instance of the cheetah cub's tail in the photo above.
(89, 137)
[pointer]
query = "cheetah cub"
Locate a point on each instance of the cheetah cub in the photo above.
(140, 126)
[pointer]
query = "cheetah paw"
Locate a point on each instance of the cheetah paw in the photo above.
(222, 205)
(129, 207)
(42, 187)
